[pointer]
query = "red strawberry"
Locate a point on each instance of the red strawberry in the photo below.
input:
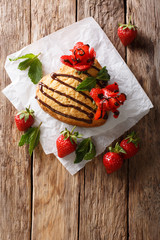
(24, 119)
(113, 160)
(127, 33)
(67, 142)
(130, 145)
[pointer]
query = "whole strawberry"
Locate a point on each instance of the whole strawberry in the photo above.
(127, 33)
(113, 159)
(67, 142)
(130, 145)
(24, 119)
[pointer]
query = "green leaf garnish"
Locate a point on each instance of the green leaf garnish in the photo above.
(90, 82)
(87, 84)
(29, 55)
(31, 137)
(35, 71)
(86, 150)
(103, 75)
(33, 63)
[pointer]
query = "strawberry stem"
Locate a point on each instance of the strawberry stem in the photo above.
(129, 21)
(73, 129)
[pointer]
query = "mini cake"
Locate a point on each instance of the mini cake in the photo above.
(57, 95)
(78, 94)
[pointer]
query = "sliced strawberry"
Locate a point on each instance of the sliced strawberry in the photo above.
(95, 94)
(81, 67)
(67, 60)
(121, 98)
(108, 93)
(81, 58)
(113, 87)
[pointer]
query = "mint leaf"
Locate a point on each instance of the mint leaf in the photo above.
(86, 150)
(92, 151)
(25, 64)
(33, 140)
(34, 64)
(87, 84)
(35, 71)
(29, 55)
(103, 74)
(25, 137)
(31, 137)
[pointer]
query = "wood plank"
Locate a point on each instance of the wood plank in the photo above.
(103, 198)
(55, 191)
(15, 184)
(144, 180)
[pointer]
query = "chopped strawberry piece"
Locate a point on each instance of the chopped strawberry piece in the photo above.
(95, 94)
(113, 87)
(81, 59)
(67, 60)
(107, 99)
(80, 67)
(121, 98)
(108, 93)
(99, 114)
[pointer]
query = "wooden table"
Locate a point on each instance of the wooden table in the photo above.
(39, 199)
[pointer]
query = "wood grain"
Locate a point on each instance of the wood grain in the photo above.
(144, 179)
(55, 191)
(103, 198)
(15, 196)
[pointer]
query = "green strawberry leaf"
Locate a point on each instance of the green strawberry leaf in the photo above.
(35, 71)
(103, 75)
(29, 55)
(21, 115)
(87, 84)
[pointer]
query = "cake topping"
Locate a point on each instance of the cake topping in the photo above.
(81, 59)
(107, 99)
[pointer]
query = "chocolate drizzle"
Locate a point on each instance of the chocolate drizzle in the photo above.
(95, 68)
(54, 76)
(41, 85)
(63, 114)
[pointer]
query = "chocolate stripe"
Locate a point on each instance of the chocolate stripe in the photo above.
(69, 76)
(67, 85)
(90, 115)
(62, 114)
(95, 68)
(67, 96)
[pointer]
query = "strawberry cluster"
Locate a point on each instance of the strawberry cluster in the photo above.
(81, 59)
(114, 158)
(107, 99)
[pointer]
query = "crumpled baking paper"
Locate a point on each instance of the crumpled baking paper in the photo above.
(21, 92)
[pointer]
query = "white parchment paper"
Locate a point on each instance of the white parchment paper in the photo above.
(21, 92)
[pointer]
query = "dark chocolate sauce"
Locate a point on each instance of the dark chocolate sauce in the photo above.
(41, 85)
(63, 114)
(67, 96)
(95, 68)
(54, 76)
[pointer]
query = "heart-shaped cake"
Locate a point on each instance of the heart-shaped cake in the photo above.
(57, 95)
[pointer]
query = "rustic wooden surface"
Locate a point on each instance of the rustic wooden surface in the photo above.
(40, 199)
(15, 170)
